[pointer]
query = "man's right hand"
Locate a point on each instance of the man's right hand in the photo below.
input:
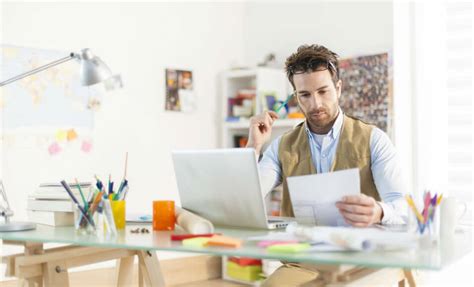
(261, 129)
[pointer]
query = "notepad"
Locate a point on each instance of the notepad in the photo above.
(288, 248)
(247, 273)
(224, 241)
(267, 243)
(195, 242)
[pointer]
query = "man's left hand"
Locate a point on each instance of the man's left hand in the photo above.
(360, 210)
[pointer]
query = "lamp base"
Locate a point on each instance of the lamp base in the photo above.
(16, 226)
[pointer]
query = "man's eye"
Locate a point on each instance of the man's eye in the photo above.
(322, 92)
(304, 95)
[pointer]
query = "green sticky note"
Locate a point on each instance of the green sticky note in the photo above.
(288, 248)
(195, 242)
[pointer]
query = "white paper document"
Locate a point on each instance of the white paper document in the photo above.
(314, 196)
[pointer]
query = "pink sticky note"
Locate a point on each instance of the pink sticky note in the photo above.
(86, 146)
(266, 243)
(54, 148)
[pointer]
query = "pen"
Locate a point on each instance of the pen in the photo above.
(96, 202)
(110, 185)
(413, 207)
(84, 214)
(284, 103)
(98, 183)
(180, 237)
(122, 186)
(125, 192)
(438, 201)
(82, 195)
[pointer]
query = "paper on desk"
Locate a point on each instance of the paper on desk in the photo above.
(351, 238)
(314, 196)
(327, 238)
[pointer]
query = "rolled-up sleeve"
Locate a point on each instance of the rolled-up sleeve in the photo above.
(388, 178)
(269, 167)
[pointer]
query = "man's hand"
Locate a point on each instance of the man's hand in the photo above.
(261, 129)
(360, 210)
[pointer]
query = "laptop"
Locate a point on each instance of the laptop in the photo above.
(223, 186)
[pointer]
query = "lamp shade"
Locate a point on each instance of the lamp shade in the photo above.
(93, 70)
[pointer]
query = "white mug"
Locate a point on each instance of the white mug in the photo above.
(451, 213)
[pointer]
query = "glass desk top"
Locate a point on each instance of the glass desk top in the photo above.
(433, 257)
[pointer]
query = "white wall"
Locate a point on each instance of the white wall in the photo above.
(139, 40)
(349, 28)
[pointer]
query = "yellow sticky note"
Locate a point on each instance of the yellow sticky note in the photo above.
(195, 242)
(288, 248)
(61, 135)
(71, 135)
(247, 273)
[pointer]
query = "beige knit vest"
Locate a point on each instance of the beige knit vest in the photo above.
(353, 151)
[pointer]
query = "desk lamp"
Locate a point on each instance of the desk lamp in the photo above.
(92, 71)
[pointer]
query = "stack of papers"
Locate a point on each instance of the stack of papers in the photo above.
(343, 238)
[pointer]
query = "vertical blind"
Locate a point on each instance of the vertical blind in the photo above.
(459, 93)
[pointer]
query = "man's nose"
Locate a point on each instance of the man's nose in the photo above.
(317, 101)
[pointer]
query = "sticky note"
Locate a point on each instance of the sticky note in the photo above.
(266, 243)
(246, 273)
(86, 146)
(61, 135)
(195, 242)
(288, 248)
(71, 135)
(224, 241)
(245, 261)
(54, 148)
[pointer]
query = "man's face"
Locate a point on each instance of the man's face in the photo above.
(318, 99)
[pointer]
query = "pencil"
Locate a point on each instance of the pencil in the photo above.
(283, 104)
(438, 201)
(84, 214)
(98, 183)
(413, 207)
(82, 194)
(126, 163)
(110, 184)
(96, 202)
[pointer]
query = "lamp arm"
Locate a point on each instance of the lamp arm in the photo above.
(39, 69)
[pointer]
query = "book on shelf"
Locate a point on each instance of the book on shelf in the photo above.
(52, 218)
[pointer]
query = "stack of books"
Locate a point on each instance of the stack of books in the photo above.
(50, 204)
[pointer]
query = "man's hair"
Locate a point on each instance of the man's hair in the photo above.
(311, 58)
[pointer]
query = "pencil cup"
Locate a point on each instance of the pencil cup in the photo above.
(81, 225)
(428, 232)
(163, 215)
(118, 210)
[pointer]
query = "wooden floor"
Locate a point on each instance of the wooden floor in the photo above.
(211, 283)
(207, 283)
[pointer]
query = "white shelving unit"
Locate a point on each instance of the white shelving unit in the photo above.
(265, 81)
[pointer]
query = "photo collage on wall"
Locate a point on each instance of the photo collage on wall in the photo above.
(367, 89)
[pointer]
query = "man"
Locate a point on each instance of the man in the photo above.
(327, 141)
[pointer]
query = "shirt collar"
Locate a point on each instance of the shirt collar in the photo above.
(336, 127)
